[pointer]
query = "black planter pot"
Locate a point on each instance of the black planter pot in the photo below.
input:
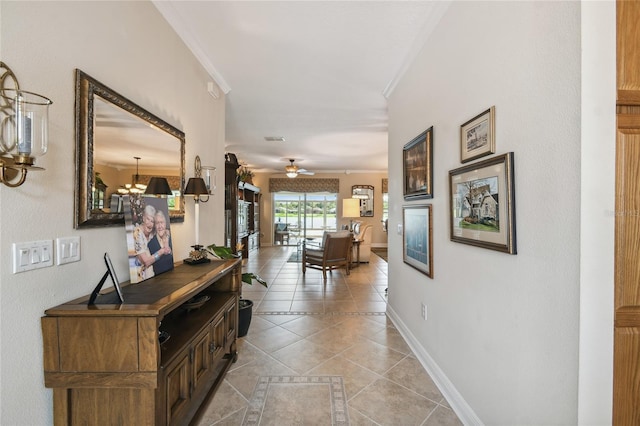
(244, 316)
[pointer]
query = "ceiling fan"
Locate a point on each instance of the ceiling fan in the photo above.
(292, 170)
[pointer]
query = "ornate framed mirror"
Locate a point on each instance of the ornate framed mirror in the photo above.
(365, 194)
(115, 138)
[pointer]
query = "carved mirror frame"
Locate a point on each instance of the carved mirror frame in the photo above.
(86, 89)
(365, 194)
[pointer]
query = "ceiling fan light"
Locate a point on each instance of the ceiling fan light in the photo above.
(291, 170)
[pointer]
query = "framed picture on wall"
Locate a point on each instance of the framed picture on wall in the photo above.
(417, 239)
(477, 136)
(417, 157)
(483, 206)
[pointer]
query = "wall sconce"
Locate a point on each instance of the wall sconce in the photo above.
(210, 179)
(158, 186)
(24, 133)
(350, 209)
(197, 188)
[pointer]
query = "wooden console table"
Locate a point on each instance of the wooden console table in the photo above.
(106, 365)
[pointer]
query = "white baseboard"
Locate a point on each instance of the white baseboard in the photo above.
(463, 410)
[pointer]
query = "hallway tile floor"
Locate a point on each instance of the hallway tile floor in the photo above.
(323, 354)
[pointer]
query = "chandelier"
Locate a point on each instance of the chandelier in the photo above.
(135, 187)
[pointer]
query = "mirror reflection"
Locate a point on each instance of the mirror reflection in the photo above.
(120, 146)
(365, 194)
(127, 152)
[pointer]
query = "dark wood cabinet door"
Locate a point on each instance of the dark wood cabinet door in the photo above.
(178, 389)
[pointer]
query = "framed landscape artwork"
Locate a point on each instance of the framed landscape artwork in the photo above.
(417, 248)
(483, 208)
(417, 158)
(477, 136)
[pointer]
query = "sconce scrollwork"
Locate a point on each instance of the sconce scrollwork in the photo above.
(24, 135)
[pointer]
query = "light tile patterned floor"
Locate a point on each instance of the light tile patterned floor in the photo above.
(306, 331)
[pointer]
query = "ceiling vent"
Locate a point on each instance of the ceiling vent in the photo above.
(274, 138)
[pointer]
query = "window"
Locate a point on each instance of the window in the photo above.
(306, 215)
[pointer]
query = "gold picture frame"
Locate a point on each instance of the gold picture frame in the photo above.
(483, 207)
(417, 157)
(417, 237)
(477, 136)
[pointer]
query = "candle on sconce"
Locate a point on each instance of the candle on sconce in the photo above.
(24, 124)
(210, 178)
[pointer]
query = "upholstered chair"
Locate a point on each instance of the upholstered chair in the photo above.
(362, 233)
(334, 253)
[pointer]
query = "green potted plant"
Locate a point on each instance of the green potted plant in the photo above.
(245, 174)
(245, 306)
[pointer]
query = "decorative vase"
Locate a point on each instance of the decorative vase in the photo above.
(245, 310)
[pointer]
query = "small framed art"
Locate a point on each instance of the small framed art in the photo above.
(417, 238)
(483, 206)
(477, 136)
(417, 158)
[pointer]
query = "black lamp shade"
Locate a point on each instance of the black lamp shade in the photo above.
(158, 186)
(196, 186)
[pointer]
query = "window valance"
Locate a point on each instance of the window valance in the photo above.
(304, 185)
(385, 185)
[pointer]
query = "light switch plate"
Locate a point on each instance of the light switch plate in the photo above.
(32, 255)
(67, 250)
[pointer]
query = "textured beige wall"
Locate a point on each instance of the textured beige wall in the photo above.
(502, 330)
(128, 46)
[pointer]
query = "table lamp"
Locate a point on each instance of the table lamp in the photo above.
(196, 187)
(350, 210)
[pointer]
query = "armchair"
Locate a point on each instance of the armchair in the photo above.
(281, 233)
(362, 233)
(334, 253)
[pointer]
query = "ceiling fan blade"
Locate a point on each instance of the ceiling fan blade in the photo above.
(305, 172)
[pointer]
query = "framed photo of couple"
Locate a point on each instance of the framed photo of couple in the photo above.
(149, 245)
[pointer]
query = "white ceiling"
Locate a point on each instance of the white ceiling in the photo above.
(313, 72)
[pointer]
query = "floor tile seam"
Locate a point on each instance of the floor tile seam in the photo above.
(437, 403)
(391, 349)
(424, 422)
(264, 353)
(324, 362)
(295, 373)
(395, 383)
(332, 313)
(379, 377)
(363, 415)
(236, 390)
(402, 353)
(228, 416)
(341, 353)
